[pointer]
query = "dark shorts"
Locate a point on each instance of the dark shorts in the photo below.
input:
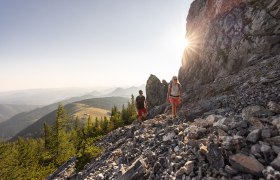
(141, 112)
(175, 100)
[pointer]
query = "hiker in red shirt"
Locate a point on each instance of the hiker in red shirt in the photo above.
(141, 106)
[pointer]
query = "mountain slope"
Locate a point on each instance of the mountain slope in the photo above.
(15, 124)
(9, 110)
(103, 104)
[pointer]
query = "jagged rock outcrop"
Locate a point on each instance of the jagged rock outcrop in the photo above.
(156, 95)
(226, 36)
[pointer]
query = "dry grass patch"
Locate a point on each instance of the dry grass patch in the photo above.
(84, 111)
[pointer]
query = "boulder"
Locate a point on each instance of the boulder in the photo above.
(254, 136)
(136, 171)
(222, 123)
(276, 163)
(254, 111)
(274, 107)
(168, 136)
(215, 157)
(246, 164)
(186, 169)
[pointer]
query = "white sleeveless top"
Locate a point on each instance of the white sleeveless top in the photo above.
(175, 90)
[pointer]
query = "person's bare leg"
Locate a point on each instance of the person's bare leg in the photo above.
(144, 115)
(173, 109)
(139, 120)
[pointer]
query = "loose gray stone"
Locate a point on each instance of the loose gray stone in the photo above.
(254, 136)
(276, 149)
(169, 136)
(271, 174)
(230, 170)
(274, 107)
(215, 157)
(266, 133)
(276, 163)
(135, 171)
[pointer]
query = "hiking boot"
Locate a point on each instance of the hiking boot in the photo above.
(135, 122)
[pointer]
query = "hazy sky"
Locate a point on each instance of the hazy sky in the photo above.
(96, 43)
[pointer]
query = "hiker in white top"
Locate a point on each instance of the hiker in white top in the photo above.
(174, 95)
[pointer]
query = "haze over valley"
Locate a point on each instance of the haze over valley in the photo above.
(17, 117)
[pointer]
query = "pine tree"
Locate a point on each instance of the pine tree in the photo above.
(61, 119)
(97, 127)
(114, 110)
(76, 124)
(9, 162)
(76, 135)
(88, 128)
(63, 148)
(105, 125)
(125, 115)
(47, 137)
(131, 110)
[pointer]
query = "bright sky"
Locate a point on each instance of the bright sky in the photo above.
(89, 43)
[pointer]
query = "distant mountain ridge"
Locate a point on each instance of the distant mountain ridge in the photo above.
(49, 96)
(40, 96)
(9, 110)
(122, 92)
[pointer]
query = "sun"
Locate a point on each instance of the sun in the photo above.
(181, 43)
(187, 42)
(192, 42)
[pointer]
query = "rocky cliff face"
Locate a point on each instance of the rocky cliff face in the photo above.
(228, 35)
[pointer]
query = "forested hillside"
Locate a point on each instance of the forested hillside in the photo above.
(65, 138)
(95, 107)
(19, 122)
